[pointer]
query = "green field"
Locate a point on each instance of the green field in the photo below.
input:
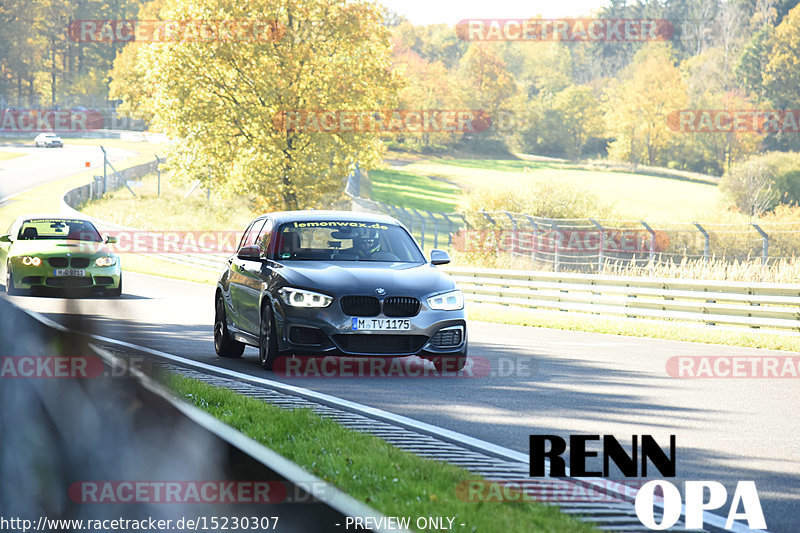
(436, 185)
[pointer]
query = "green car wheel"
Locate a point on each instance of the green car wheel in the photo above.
(11, 290)
(116, 293)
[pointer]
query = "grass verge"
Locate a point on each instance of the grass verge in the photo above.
(390, 480)
(155, 266)
(47, 198)
(5, 156)
(171, 209)
(655, 329)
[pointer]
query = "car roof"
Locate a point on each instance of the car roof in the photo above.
(313, 215)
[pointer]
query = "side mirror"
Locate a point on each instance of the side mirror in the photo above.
(439, 257)
(5, 238)
(111, 240)
(250, 253)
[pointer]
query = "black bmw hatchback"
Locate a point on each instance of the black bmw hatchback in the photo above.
(337, 283)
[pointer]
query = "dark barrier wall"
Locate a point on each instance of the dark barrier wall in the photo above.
(59, 432)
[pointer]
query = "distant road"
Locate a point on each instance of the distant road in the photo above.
(44, 165)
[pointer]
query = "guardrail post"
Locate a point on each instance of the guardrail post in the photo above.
(105, 177)
(449, 228)
(535, 239)
(764, 244)
(601, 251)
(706, 245)
(557, 243)
(408, 217)
(652, 240)
(513, 232)
(435, 229)
(491, 222)
(117, 174)
(158, 172)
(422, 220)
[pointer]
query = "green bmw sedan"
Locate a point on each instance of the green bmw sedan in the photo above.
(59, 253)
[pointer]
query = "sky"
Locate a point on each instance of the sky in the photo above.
(452, 11)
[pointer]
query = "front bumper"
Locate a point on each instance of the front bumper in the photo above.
(329, 331)
(43, 276)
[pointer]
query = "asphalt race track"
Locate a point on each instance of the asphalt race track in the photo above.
(22, 173)
(562, 382)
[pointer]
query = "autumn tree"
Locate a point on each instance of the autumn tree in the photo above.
(650, 88)
(489, 86)
(713, 152)
(220, 98)
(428, 86)
(782, 74)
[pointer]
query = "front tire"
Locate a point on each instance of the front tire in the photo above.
(116, 293)
(224, 345)
(267, 338)
(11, 290)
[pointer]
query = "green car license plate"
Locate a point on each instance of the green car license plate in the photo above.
(69, 272)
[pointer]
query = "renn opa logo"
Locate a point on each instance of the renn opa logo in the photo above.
(635, 464)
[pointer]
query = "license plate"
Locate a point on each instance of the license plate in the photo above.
(69, 272)
(381, 324)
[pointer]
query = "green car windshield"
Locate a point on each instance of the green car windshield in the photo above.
(61, 229)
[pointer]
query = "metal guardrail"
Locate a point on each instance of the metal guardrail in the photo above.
(758, 305)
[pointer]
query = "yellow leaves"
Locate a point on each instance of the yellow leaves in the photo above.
(782, 74)
(638, 105)
(220, 98)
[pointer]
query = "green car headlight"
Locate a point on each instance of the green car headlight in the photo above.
(31, 261)
(447, 301)
(105, 261)
(302, 298)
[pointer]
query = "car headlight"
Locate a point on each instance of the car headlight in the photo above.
(105, 261)
(303, 298)
(447, 301)
(31, 261)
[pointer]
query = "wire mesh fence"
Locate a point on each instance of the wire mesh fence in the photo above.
(589, 244)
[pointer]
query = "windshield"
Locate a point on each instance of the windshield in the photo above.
(64, 229)
(345, 241)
